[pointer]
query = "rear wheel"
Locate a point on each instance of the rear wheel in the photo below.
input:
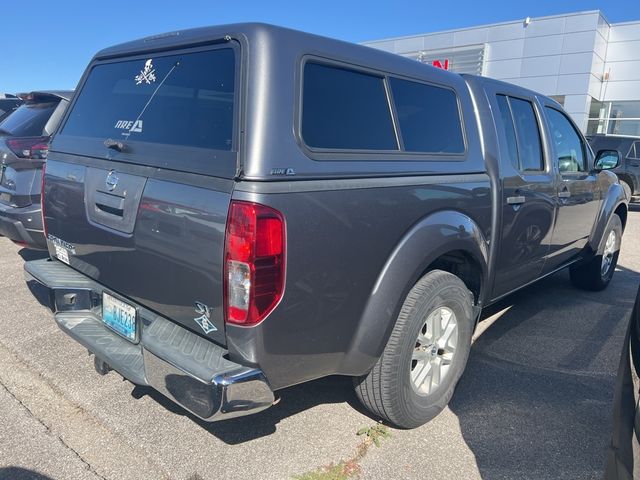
(416, 375)
(597, 274)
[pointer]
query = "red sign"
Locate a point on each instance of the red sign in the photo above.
(441, 64)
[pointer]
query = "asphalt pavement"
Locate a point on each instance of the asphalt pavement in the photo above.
(534, 402)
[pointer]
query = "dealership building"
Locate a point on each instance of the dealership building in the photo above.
(590, 66)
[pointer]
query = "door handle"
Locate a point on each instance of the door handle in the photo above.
(516, 200)
(564, 194)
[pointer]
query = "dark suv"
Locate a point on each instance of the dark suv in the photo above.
(624, 153)
(8, 103)
(233, 210)
(24, 145)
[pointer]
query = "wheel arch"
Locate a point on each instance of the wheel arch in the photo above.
(615, 201)
(622, 211)
(463, 265)
(446, 240)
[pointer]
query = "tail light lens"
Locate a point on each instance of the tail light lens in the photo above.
(254, 262)
(35, 148)
(44, 225)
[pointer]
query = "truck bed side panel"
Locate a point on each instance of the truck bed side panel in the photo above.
(339, 240)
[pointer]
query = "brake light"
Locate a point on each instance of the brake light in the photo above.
(254, 262)
(44, 225)
(35, 148)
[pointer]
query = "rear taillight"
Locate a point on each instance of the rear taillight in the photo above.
(35, 148)
(44, 225)
(254, 262)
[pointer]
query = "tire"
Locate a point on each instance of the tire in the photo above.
(388, 390)
(598, 272)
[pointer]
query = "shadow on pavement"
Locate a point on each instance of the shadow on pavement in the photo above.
(27, 254)
(293, 400)
(40, 293)
(535, 398)
(534, 401)
(17, 473)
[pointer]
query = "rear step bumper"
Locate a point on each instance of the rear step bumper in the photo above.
(186, 368)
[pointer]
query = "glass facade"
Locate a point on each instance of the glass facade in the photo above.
(585, 63)
(614, 118)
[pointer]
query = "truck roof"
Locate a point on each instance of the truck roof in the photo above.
(614, 142)
(64, 94)
(613, 136)
(492, 81)
(275, 52)
(270, 37)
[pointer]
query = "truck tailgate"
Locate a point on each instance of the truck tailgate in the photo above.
(156, 242)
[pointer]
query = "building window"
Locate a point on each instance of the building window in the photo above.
(624, 118)
(614, 118)
(624, 127)
(468, 59)
(625, 110)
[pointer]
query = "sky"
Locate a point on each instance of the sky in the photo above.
(47, 44)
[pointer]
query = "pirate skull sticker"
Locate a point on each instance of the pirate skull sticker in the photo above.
(147, 74)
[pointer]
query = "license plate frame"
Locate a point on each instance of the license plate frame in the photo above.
(120, 316)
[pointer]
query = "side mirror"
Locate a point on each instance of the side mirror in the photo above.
(607, 160)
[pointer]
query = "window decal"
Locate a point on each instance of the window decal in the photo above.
(191, 103)
(147, 74)
(131, 126)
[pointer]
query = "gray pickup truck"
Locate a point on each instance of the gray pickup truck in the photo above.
(237, 209)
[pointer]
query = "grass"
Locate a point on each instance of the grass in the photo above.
(350, 468)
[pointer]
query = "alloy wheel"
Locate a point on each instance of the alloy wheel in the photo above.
(434, 350)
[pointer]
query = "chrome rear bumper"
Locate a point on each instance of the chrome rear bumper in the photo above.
(188, 369)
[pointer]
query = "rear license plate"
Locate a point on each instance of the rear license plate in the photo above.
(119, 316)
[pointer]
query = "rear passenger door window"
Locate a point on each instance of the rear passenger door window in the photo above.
(522, 133)
(428, 116)
(510, 131)
(343, 109)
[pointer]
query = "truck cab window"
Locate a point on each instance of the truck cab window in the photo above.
(568, 145)
(529, 143)
(509, 130)
(522, 133)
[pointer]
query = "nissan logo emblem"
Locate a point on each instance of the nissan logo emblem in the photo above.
(111, 181)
